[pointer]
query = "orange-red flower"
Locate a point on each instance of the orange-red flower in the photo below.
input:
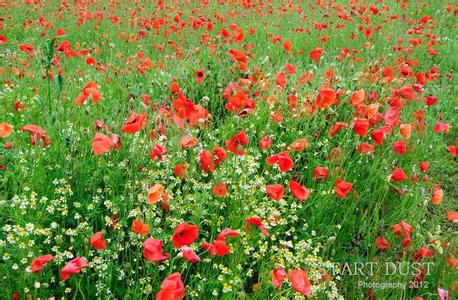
(73, 267)
(89, 90)
(185, 234)
(135, 123)
(152, 250)
(206, 162)
(39, 262)
(139, 227)
(398, 175)
(275, 191)
(236, 143)
(299, 192)
(316, 53)
(255, 222)
(5, 130)
(220, 189)
(342, 188)
(382, 244)
(405, 229)
(97, 241)
(282, 159)
(101, 144)
(172, 288)
(320, 173)
(278, 276)
(438, 194)
(155, 193)
(189, 255)
(300, 282)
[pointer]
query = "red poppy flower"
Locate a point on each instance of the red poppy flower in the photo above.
(256, 222)
(290, 69)
(365, 148)
(155, 193)
(265, 143)
(422, 253)
(438, 194)
(430, 100)
(320, 173)
(300, 282)
(405, 131)
(5, 130)
(140, 227)
(188, 142)
(398, 175)
(206, 162)
(60, 31)
(19, 106)
(135, 123)
(325, 98)
(342, 188)
(236, 143)
(282, 159)
(39, 262)
(145, 99)
(227, 232)
(299, 144)
(400, 147)
(187, 110)
(441, 127)
(378, 135)
(157, 151)
(406, 92)
(220, 189)
(200, 75)
(89, 90)
(405, 229)
(189, 255)
(171, 288)
(280, 80)
(300, 192)
(452, 216)
(3, 39)
(278, 276)
(97, 241)
(180, 170)
(357, 97)
(116, 140)
(275, 191)
(36, 132)
(336, 128)
(185, 234)
(72, 267)
(392, 117)
(101, 144)
(424, 166)
(316, 54)
(217, 247)
(360, 126)
(238, 55)
(239, 37)
(152, 250)
(382, 244)
(237, 102)
(287, 46)
(219, 155)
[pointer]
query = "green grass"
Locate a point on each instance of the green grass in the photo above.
(82, 191)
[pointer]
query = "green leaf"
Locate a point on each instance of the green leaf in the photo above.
(58, 81)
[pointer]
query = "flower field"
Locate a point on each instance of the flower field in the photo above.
(233, 149)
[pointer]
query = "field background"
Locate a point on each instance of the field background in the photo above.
(55, 197)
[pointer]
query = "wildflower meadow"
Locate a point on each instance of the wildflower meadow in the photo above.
(228, 149)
